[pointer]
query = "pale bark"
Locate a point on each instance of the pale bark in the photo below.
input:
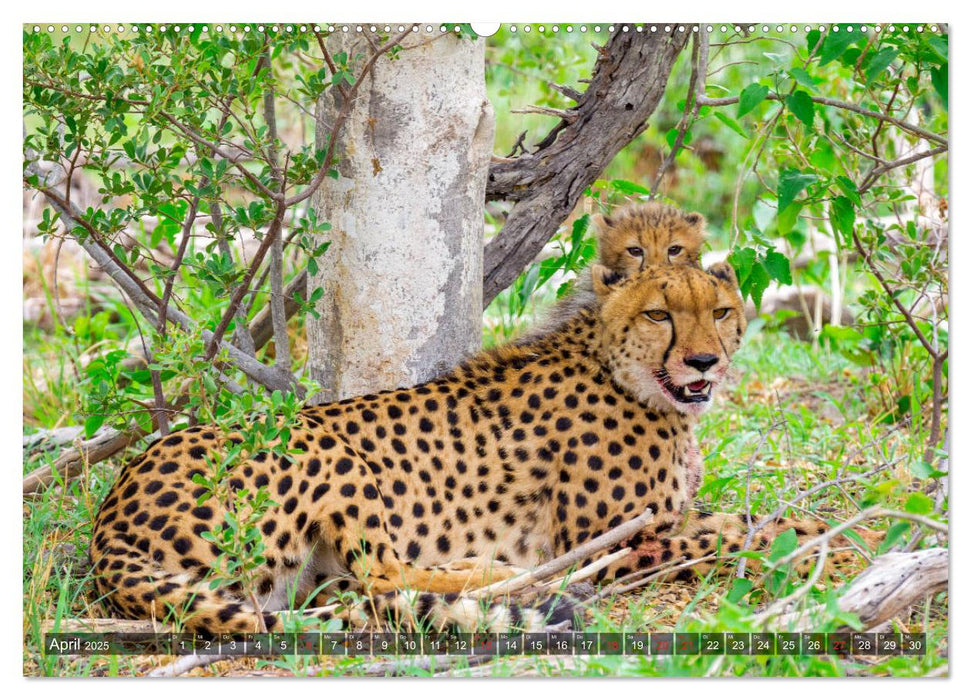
(402, 278)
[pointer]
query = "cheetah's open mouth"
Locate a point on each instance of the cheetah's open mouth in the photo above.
(695, 392)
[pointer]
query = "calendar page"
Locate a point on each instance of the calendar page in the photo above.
(485, 350)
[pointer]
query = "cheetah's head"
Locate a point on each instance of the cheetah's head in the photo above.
(669, 331)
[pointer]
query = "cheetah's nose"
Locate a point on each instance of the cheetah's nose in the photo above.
(701, 362)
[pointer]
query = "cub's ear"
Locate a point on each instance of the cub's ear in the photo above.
(601, 225)
(724, 271)
(695, 220)
(605, 280)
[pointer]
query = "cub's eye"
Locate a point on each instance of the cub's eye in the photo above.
(657, 315)
(719, 314)
(674, 250)
(636, 252)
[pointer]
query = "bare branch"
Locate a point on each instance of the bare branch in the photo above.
(690, 111)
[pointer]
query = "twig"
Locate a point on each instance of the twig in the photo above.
(621, 586)
(280, 338)
(242, 338)
(780, 605)
(748, 494)
(518, 146)
(883, 168)
(588, 570)
(566, 115)
(690, 109)
(554, 566)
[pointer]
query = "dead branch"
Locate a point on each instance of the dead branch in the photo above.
(72, 462)
(186, 664)
(104, 625)
(889, 586)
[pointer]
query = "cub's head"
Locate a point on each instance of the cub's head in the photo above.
(650, 234)
(669, 331)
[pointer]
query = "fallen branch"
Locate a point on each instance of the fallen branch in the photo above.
(48, 439)
(186, 664)
(104, 625)
(72, 462)
(888, 587)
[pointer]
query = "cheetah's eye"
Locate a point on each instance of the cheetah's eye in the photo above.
(719, 314)
(657, 315)
(674, 251)
(636, 252)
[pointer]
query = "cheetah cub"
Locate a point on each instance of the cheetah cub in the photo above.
(632, 238)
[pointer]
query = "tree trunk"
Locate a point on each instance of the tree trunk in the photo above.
(402, 279)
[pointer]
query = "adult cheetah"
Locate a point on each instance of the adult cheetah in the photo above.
(514, 457)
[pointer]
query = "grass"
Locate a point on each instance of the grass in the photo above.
(796, 416)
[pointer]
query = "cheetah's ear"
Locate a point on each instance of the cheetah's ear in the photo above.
(602, 224)
(724, 271)
(605, 280)
(695, 220)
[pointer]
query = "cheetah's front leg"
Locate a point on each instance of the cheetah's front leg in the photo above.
(715, 537)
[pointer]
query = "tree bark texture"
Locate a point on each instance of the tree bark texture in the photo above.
(402, 278)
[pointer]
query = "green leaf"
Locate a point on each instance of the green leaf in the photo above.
(784, 544)
(777, 265)
(842, 215)
(894, 533)
(880, 61)
(803, 78)
(750, 98)
(939, 81)
(791, 183)
(731, 124)
(922, 470)
(919, 503)
(787, 218)
(812, 38)
(740, 588)
(628, 187)
(849, 189)
(757, 283)
(742, 260)
(91, 425)
(801, 104)
(835, 43)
